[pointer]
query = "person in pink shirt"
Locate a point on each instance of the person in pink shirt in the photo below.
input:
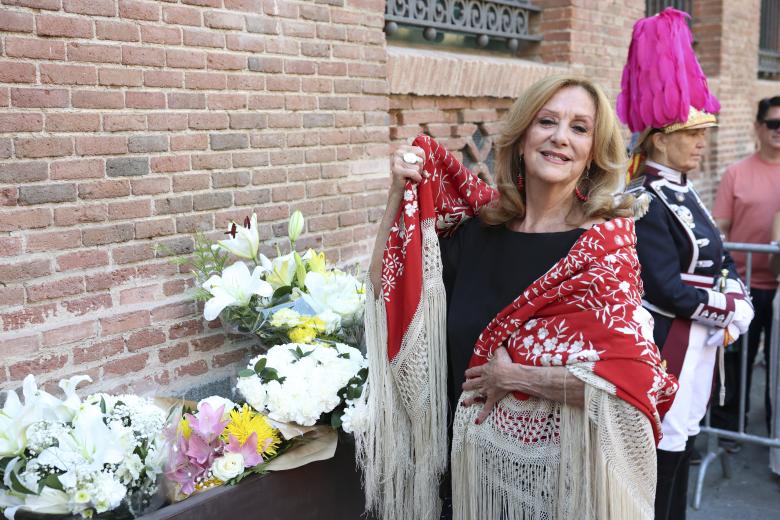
(747, 200)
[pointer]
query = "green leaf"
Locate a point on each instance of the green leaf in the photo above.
(52, 481)
(282, 292)
(335, 419)
(245, 372)
(260, 365)
(102, 405)
(17, 486)
(344, 355)
(4, 463)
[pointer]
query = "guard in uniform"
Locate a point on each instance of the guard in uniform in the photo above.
(691, 285)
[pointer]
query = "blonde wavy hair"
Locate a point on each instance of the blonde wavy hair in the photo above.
(608, 153)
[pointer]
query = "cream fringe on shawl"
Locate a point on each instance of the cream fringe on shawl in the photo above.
(403, 452)
(598, 465)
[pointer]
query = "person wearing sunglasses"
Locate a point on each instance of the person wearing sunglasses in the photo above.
(747, 200)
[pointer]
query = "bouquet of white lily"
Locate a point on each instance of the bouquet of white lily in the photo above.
(73, 457)
(292, 297)
(302, 383)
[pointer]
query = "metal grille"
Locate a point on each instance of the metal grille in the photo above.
(487, 19)
(769, 40)
(656, 6)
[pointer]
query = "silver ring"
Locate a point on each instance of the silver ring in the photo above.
(410, 158)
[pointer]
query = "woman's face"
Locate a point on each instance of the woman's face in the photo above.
(557, 146)
(681, 150)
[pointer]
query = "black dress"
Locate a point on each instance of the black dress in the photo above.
(485, 268)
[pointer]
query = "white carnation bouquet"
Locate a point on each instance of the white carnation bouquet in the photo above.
(294, 297)
(307, 384)
(73, 457)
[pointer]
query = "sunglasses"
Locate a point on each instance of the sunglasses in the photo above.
(772, 124)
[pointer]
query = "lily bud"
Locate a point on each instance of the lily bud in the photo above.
(295, 226)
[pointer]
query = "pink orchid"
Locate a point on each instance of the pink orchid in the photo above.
(181, 469)
(248, 450)
(208, 422)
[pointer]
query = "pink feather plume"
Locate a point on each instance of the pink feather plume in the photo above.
(662, 78)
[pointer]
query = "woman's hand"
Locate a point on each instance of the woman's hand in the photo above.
(490, 381)
(402, 169)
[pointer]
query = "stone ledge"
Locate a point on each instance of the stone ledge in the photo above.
(425, 72)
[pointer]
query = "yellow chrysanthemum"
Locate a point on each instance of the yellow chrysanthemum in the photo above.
(302, 334)
(245, 422)
(313, 322)
(184, 428)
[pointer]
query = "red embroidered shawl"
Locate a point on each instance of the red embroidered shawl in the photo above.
(585, 310)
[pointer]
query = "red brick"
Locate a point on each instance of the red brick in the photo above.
(110, 279)
(208, 121)
(123, 322)
(68, 26)
(173, 287)
(174, 310)
(127, 365)
(39, 365)
(223, 20)
(87, 305)
(56, 289)
(69, 333)
(205, 81)
(185, 328)
(97, 53)
(98, 236)
(203, 3)
(73, 122)
(9, 196)
(132, 253)
(13, 220)
(145, 338)
(39, 97)
(24, 270)
(116, 77)
(163, 78)
(208, 343)
(171, 163)
(228, 358)
(149, 56)
(181, 15)
(98, 351)
(53, 241)
(16, 22)
(129, 209)
(11, 295)
(203, 38)
(82, 260)
(191, 182)
(185, 59)
(150, 186)
(225, 61)
(167, 121)
(123, 122)
(139, 10)
(97, 99)
(43, 147)
(154, 228)
(152, 100)
(21, 122)
(35, 48)
(189, 142)
(10, 246)
(195, 368)
(101, 145)
(19, 346)
(174, 352)
(164, 35)
(70, 215)
(245, 43)
(16, 72)
(92, 7)
(118, 31)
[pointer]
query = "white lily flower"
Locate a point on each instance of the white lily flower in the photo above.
(235, 287)
(295, 226)
(337, 292)
(282, 270)
(246, 242)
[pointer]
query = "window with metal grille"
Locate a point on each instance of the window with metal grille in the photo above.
(769, 40)
(483, 21)
(656, 6)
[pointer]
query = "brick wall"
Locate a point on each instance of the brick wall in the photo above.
(128, 124)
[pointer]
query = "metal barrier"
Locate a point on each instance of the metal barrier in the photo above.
(714, 451)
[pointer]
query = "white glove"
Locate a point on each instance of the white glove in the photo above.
(743, 315)
(716, 338)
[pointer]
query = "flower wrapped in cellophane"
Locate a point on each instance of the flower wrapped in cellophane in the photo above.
(218, 443)
(73, 457)
(293, 297)
(307, 384)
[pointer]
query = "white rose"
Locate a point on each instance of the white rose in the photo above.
(228, 466)
(253, 391)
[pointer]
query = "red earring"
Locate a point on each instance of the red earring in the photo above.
(580, 195)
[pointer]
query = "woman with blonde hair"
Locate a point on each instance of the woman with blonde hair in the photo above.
(511, 351)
